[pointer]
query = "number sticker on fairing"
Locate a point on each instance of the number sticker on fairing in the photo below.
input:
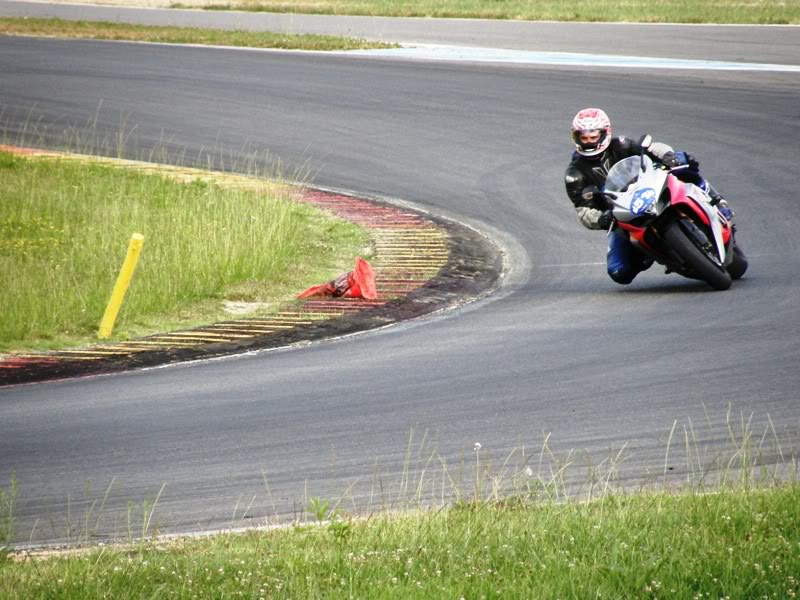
(642, 200)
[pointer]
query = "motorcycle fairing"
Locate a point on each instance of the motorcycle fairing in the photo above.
(687, 194)
(662, 193)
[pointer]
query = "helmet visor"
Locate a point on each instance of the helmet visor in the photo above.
(589, 139)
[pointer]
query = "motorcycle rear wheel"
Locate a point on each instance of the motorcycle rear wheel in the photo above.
(738, 266)
(696, 258)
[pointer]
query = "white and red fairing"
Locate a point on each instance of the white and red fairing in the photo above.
(661, 191)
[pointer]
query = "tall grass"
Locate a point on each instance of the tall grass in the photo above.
(733, 544)
(65, 226)
(8, 496)
(652, 11)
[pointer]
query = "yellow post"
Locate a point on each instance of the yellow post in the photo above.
(123, 280)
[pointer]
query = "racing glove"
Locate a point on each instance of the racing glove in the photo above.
(688, 159)
(605, 220)
(672, 160)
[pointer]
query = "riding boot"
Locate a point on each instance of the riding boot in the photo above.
(718, 200)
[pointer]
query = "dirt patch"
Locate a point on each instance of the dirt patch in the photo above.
(243, 308)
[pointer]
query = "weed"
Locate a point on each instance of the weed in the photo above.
(319, 508)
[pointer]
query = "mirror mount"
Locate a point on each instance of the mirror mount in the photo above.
(644, 142)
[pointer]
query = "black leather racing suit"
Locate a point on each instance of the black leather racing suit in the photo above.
(585, 171)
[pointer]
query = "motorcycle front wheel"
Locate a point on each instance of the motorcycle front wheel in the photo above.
(697, 258)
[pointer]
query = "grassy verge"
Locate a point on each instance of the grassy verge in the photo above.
(8, 496)
(511, 530)
(178, 35)
(64, 230)
(645, 11)
(732, 544)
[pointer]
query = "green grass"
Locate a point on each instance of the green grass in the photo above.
(646, 11)
(178, 35)
(742, 543)
(65, 227)
(8, 497)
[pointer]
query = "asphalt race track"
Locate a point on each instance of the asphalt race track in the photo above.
(610, 373)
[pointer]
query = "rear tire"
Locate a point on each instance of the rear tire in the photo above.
(696, 258)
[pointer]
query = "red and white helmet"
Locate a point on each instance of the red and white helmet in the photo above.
(591, 120)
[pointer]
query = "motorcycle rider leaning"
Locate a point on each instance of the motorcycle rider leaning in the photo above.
(596, 151)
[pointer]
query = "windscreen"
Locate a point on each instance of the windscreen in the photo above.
(625, 172)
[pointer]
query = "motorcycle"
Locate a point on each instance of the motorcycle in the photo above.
(672, 221)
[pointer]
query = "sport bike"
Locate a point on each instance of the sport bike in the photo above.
(673, 221)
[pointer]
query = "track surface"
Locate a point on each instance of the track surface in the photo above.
(560, 350)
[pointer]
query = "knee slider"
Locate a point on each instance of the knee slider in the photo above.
(622, 276)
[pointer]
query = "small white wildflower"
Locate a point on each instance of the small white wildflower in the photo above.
(477, 445)
(529, 471)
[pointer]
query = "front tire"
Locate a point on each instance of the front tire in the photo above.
(696, 258)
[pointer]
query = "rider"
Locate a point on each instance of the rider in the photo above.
(595, 153)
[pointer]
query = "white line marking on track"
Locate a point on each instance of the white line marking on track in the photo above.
(494, 55)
